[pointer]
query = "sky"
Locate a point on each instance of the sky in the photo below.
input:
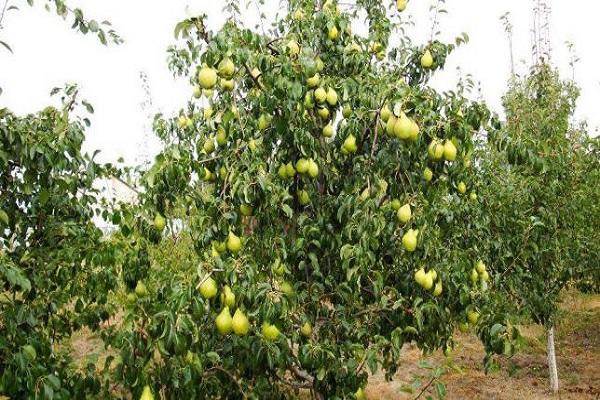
(47, 53)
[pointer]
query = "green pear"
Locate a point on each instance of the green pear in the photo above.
(313, 81)
(385, 113)
(426, 59)
(207, 77)
(221, 136)
(438, 288)
(480, 266)
(449, 151)
(404, 213)
(227, 297)
(208, 288)
(159, 222)
(333, 33)
(472, 316)
(420, 276)
(306, 330)
(346, 111)
(427, 174)
(401, 5)
(226, 68)
(331, 97)
(234, 243)
(239, 323)
(313, 168)
(328, 130)
(320, 95)
(409, 240)
(224, 322)
(303, 197)
(435, 150)
(289, 170)
(270, 332)
(403, 127)
(147, 393)
(462, 188)
(140, 289)
(396, 204)
(246, 210)
(302, 166)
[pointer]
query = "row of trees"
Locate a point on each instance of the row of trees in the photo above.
(334, 207)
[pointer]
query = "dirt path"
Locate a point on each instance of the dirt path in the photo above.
(578, 357)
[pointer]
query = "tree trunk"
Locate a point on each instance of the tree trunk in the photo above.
(552, 360)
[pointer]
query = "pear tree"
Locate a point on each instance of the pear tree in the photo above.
(319, 180)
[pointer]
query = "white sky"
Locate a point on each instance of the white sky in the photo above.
(48, 53)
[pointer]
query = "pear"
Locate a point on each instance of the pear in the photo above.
(403, 127)
(224, 322)
(182, 122)
(404, 213)
(131, 298)
(293, 47)
(209, 145)
(303, 197)
(278, 267)
(313, 168)
(463, 326)
(227, 297)
(221, 136)
(414, 131)
(396, 204)
(438, 289)
(227, 84)
(346, 111)
(409, 240)
(246, 210)
(159, 222)
(140, 289)
(391, 125)
(360, 394)
(474, 275)
(208, 175)
(449, 151)
(289, 170)
(473, 196)
(208, 93)
(426, 59)
(472, 316)
(462, 188)
(333, 33)
(323, 112)
(197, 91)
(147, 393)
(208, 288)
(220, 246)
(435, 150)
(222, 172)
(302, 166)
(420, 276)
(428, 281)
(240, 323)
(385, 113)
(252, 145)
(282, 171)
(234, 243)
(207, 77)
(427, 174)
(401, 5)
(433, 273)
(313, 81)
(306, 330)
(350, 144)
(319, 64)
(320, 95)
(485, 276)
(270, 332)
(480, 266)
(226, 68)
(207, 112)
(308, 100)
(331, 97)
(263, 122)
(286, 288)
(328, 130)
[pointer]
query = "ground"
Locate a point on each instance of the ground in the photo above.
(578, 358)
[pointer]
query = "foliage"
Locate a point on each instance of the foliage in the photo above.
(55, 269)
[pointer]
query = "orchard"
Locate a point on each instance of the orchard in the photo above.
(316, 210)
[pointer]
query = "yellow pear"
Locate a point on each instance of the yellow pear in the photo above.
(427, 174)
(313, 168)
(480, 266)
(420, 276)
(390, 125)
(302, 166)
(240, 323)
(147, 393)
(234, 243)
(414, 131)
(485, 276)
(328, 130)
(323, 112)
(306, 330)
(360, 394)
(293, 47)
(409, 240)
(385, 113)
(263, 122)
(227, 297)
(449, 151)
(224, 322)
(438, 288)
(404, 213)
(435, 150)
(331, 97)
(313, 81)
(221, 136)
(346, 111)
(426, 59)
(403, 127)
(349, 144)
(207, 77)
(303, 197)
(462, 188)
(320, 95)
(333, 33)
(208, 288)
(226, 68)
(290, 170)
(474, 275)
(140, 289)
(159, 222)
(428, 281)
(209, 145)
(473, 196)
(401, 5)
(270, 332)
(472, 316)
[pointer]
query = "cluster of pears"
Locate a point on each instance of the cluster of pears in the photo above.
(324, 98)
(287, 171)
(307, 166)
(224, 321)
(426, 280)
(479, 272)
(207, 77)
(233, 243)
(438, 151)
(401, 127)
